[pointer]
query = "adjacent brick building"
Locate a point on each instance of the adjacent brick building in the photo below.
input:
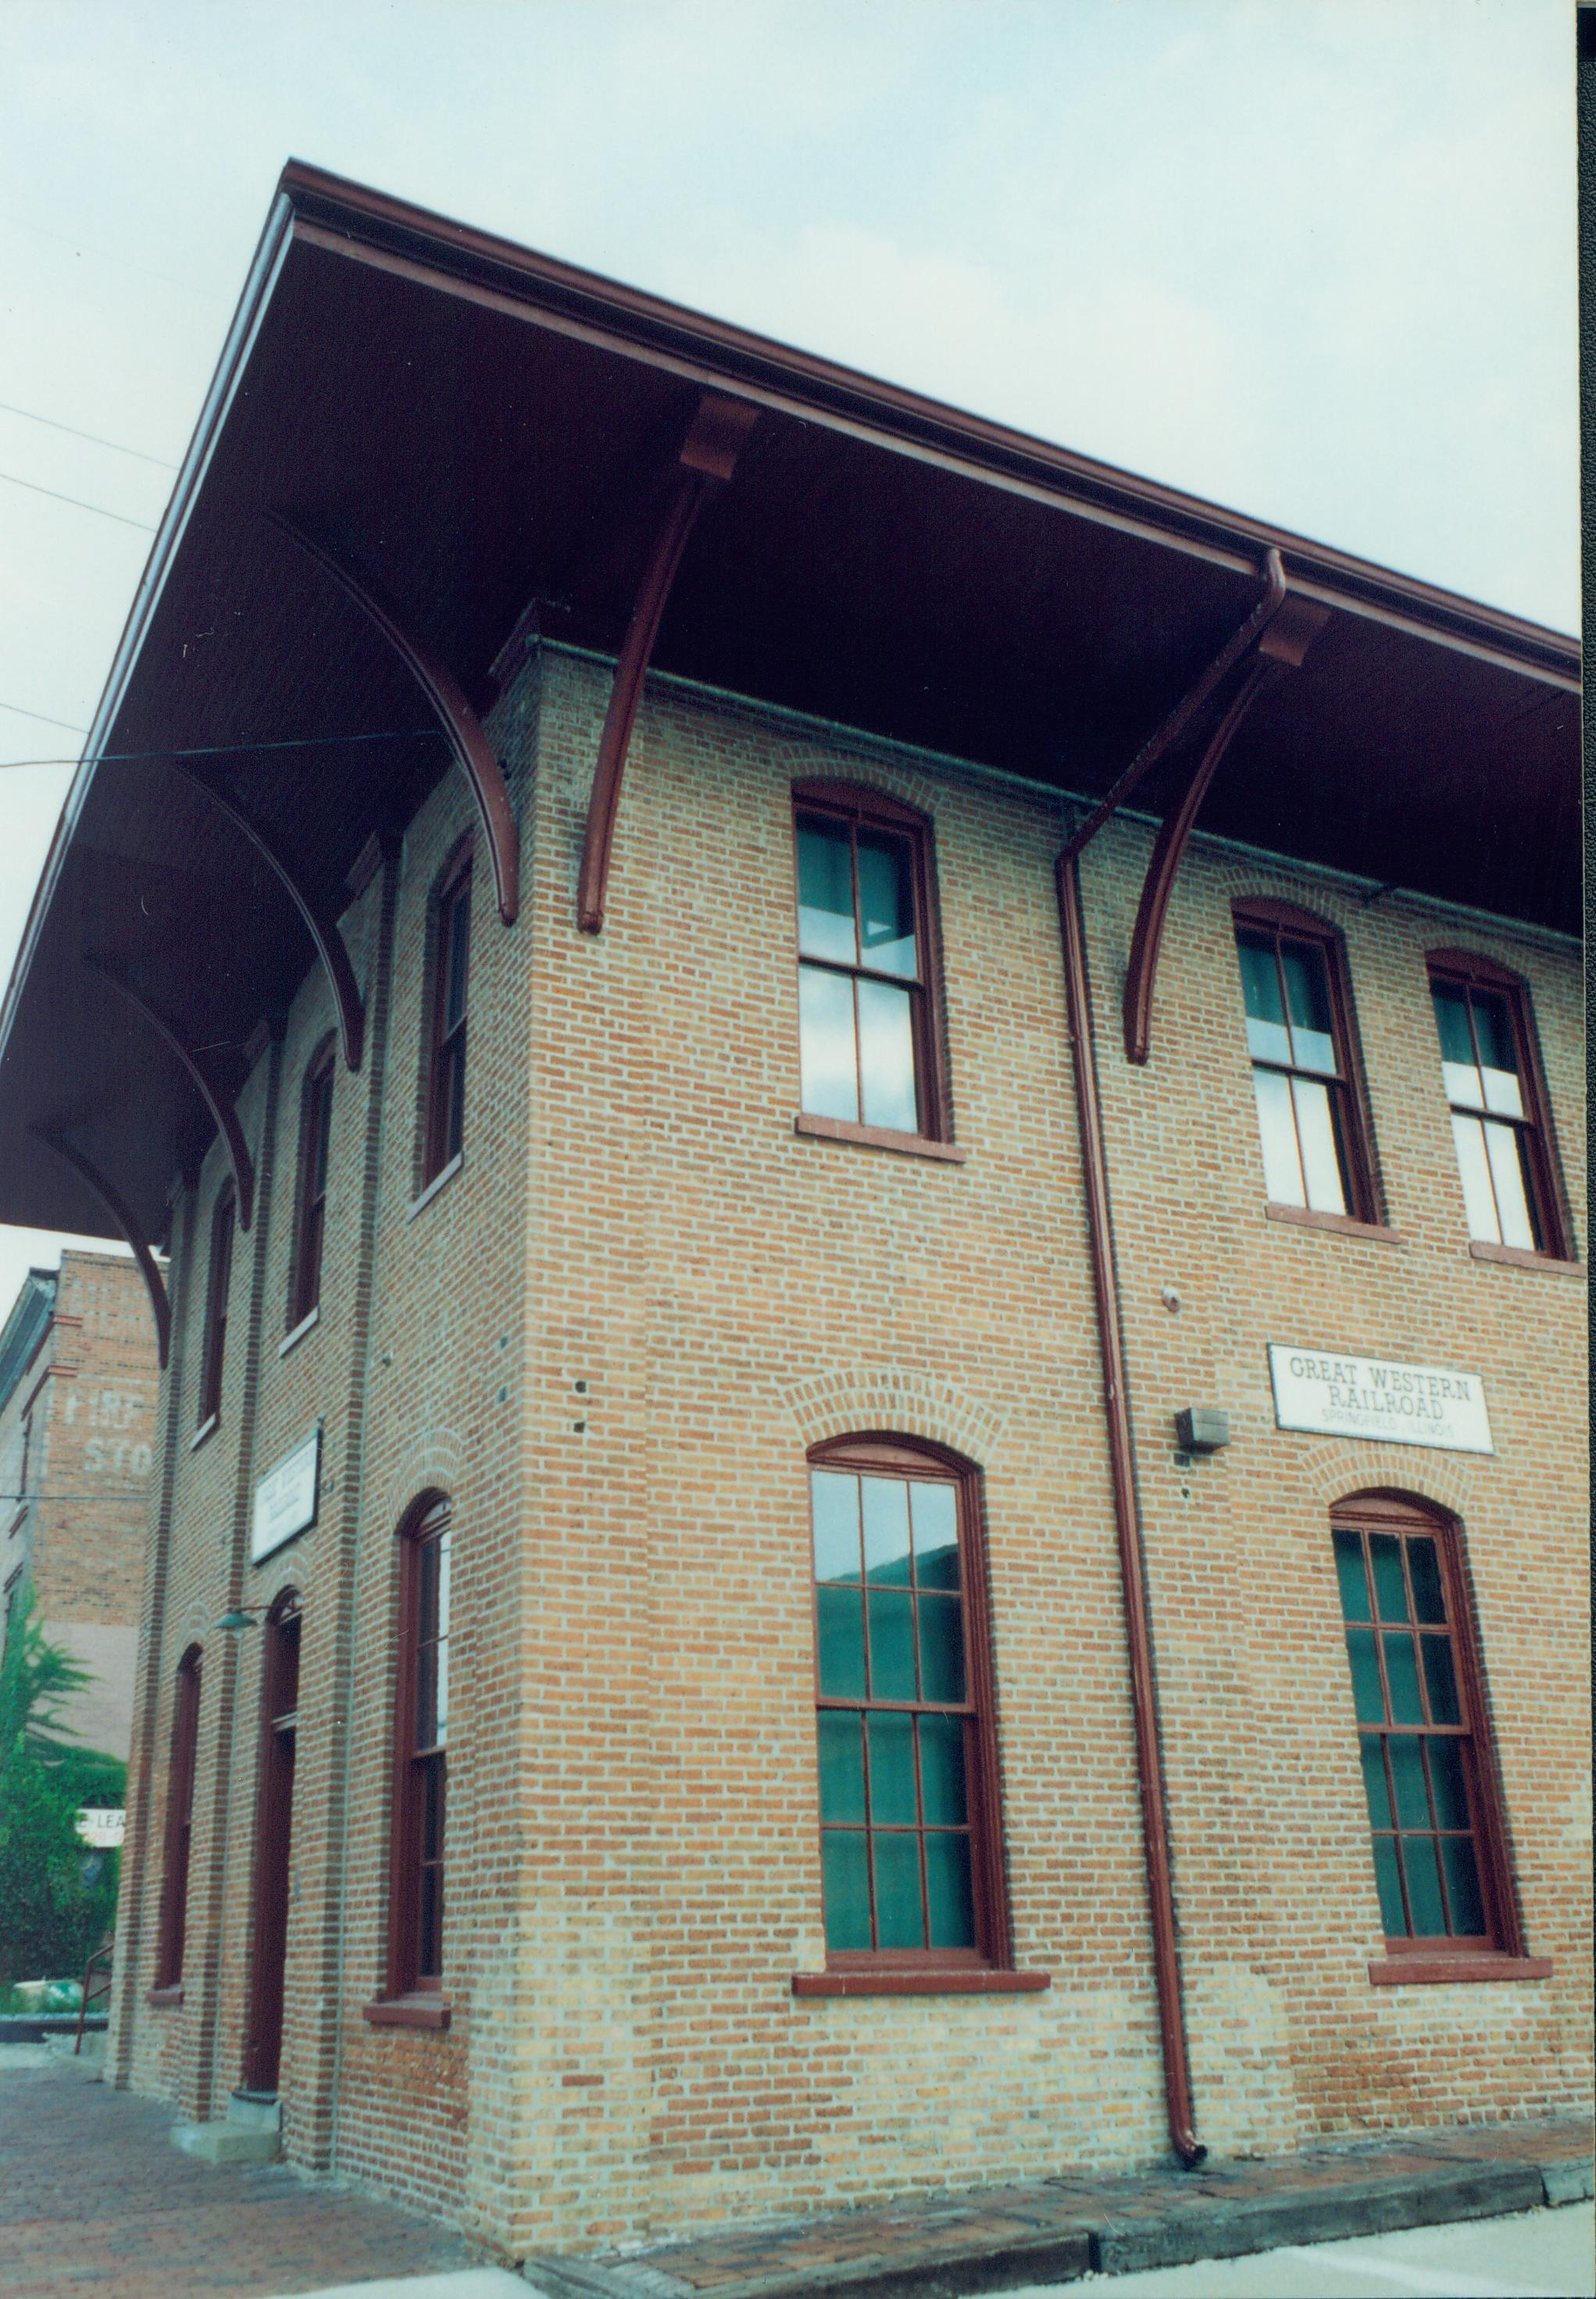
(77, 1395)
(594, 1206)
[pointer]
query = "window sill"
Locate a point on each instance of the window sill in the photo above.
(311, 1319)
(417, 2010)
(877, 1137)
(203, 1431)
(1516, 1258)
(1411, 1971)
(162, 1997)
(1305, 1217)
(438, 1182)
(953, 1981)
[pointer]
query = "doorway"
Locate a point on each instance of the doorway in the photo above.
(274, 1828)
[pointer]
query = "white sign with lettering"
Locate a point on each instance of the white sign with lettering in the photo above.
(1338, 1395)
(286, 1498)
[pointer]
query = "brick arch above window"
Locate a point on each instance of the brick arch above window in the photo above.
(1291, 917)
(833, 1404)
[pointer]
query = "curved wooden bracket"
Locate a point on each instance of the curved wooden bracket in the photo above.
(708, 457)
(1284, 640)
(474, 754)
(121, 1213)
(323, 931)
(224, 1114)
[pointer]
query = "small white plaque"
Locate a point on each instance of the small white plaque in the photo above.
(286, 1498)
(1336, 1394)
(102, 1826)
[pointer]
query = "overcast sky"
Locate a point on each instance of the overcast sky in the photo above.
(1312, 258)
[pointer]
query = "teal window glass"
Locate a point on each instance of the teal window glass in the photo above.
(1299, 1073)
(1493, 1132)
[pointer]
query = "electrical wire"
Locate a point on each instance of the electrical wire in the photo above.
(220, 750)
(56, 496)
(22, 711)
(72, 432)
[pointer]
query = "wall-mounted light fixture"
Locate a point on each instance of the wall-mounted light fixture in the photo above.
(242, 1616)
(1201, 1428)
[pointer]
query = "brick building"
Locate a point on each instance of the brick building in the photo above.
(653, 967)
(77, 1397)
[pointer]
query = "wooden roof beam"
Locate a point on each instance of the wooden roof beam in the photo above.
(121, 1213)
(224, 1116)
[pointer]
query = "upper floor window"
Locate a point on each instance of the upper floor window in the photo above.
(1439, 1847)
(1499, 1125)
(1311, 1118)
(445, 1115)
(867, 974)
(218, 1281)
(315, 1144)
(420, 1757)
(180, 1821)
(911, 1844)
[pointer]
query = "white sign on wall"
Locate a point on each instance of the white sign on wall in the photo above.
(285, 1498)
(1336, 1394)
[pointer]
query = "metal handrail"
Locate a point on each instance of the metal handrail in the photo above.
(102, 1956)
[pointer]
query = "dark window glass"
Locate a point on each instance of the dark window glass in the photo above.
(218, 1283)
(179, 1821)
(1301, 1074)
(445, 1082)
(421, 1757)
(1498, 1131)
(315, 1146)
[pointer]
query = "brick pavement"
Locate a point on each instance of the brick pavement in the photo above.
(94, 2199)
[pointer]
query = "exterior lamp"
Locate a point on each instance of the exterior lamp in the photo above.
(242, 1616)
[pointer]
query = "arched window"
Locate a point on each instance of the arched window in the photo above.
(444, 1097)
(1429, 1772)
(1312, 1118)
(420, 1757)
(910, 1837)
(1501, 1126)
(310, 1208)
(179, 1821)
(219, 1281)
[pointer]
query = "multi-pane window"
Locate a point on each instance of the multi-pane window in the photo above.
(179, 1821)
(315, 1144)
(1424, 1763)
(906, 1833)
(421, 1755)
(1307, 1118)
(446, 1056)
(1498, 1129)
(218, 1281)
(866, 1024)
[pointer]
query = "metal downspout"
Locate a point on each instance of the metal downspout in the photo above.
(1177, 2080)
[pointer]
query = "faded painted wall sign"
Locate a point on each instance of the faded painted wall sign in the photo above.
(286, 1498)
(1336, 1394)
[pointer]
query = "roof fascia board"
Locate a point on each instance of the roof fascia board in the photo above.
(352, 220)
(271, 254)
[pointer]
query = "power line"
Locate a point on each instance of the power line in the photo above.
(72, 430)
(55, 496)
(22, 711)
(221, 750)
(206, 295)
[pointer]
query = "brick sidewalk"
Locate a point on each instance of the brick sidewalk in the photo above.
(94, 2199)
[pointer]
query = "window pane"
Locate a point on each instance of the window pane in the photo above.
(951, 1904)
(828, 1078)
(452, 1064)
(935, 1536)
(835, 1504)
(1493, 1028)
(841, 1621)
(846, 1885)
(1512, 1197)
(1350, 1573)
(1424, 1569)
(457, 935)
(1479, 1205)
(1387, 1883)
(826, 892)
(1321, 1164)
(1261, 983)
(1391, 1593)
(892, 1645)
(1308, 996)
(1278, 1131)
(1401, 1675)
(842, 1766)
(1452, 1022)
(440, 1691)
(1446, 1781)
(442, 1546)
(1423, 1887)
(1408, 1774)
(1463, 1885)
(900, 1919)
(891, 1771)
(1367, 1698)
(886, 1530)
(942, 1649)
(942, 1771)
(886, 905)
(1441, 1682)
(1371, 1747)
(887, 1057)
(1502, 1092)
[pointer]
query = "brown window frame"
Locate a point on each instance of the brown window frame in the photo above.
(1378, 1512)
(315, 1160)
(442, 1132)
(424, 1524)
(1466, 970)
(173, 1921)
(219, 1280)
(892, 1456)
(1348, 1099)
(860, 808)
